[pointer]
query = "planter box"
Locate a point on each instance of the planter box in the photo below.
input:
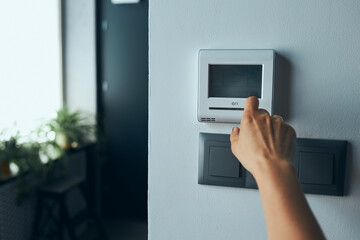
(16, 222)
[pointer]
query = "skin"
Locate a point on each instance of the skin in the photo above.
(265, 146)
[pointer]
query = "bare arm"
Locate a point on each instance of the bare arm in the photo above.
(265, 147)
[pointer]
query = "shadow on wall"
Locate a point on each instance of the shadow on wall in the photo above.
(282, 90)
(348, 167)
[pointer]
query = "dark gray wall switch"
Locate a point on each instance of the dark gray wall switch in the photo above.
(223, 163)
(316, 168)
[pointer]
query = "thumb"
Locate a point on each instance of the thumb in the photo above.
(234, 136)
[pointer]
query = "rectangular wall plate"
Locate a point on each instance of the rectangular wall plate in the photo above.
(218, 166)
(320, 164)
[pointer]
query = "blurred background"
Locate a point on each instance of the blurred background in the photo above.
(73, 119)
(74, 113)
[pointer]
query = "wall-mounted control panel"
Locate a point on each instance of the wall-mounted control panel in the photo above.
(320, 164)
(228, 77)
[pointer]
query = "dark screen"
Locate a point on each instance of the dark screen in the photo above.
(235, 81)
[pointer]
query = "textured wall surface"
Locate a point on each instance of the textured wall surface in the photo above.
(318, 86)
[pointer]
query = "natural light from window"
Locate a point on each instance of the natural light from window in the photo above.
(30, 63)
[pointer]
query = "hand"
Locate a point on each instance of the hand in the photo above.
(265, 145)
(261, 139)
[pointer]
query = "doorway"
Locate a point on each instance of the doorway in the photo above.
(122, 73)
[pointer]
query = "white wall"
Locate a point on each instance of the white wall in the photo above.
(318, 93)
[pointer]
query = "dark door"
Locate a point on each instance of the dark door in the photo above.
(123, 106)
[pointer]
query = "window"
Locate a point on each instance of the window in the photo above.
(30, 62)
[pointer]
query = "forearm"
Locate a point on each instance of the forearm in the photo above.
(287, 213)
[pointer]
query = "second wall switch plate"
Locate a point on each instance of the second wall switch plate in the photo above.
(320, 164)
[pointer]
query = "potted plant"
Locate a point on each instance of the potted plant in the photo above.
(70, 128)
(24, 155)
(8, 151)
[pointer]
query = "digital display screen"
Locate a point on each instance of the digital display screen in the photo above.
(235, 81)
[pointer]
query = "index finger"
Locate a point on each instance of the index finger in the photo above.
(251, 104)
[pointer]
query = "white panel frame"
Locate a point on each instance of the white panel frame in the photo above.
(232, 57)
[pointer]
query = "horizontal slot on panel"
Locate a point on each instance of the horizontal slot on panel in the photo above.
(226, 108)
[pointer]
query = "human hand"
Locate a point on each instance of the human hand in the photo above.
(262, 140)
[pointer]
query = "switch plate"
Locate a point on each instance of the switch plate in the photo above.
(217, 164)
(320, 164)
